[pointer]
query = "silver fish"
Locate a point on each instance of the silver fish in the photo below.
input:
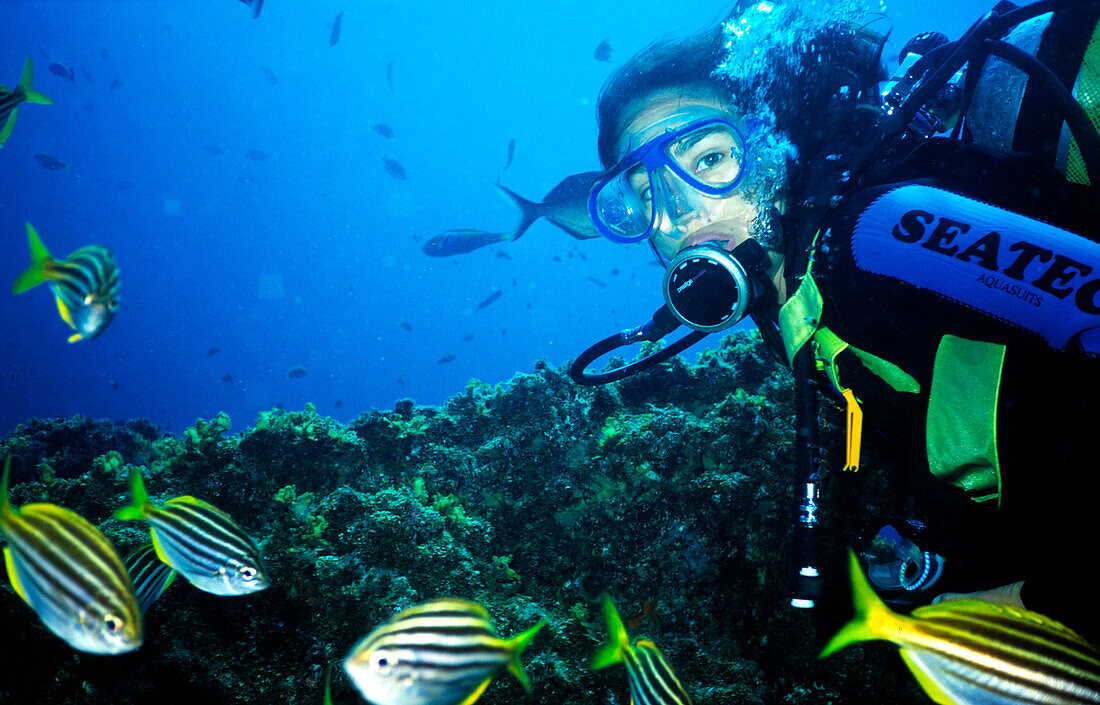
(443, 652)
(70, 575)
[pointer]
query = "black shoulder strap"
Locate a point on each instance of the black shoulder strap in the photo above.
(1062, 50)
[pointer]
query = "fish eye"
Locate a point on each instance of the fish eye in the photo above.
(113, 623)
(248, 573)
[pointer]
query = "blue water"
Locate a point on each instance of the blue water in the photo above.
(311, 258)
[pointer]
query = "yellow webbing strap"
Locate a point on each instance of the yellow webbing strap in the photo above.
(1087, 92)
(799, 323)
(961, 433)
(827, 346)
(800, 316)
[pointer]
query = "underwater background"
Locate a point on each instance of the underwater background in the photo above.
(383, 438)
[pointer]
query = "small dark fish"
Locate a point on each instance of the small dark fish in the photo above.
(228, 379)
(389, 75)
(115, 85)
(497, 293)
(393, 168)
(337, 404)
(296, 373)
(461, 241)
(85, 285)
(596, 281)
(87, 75)
(468, 337)
(256, 6)
(214, 150)
(114, 385)
(603, 51)
(501, 254)
(10, 100)
(400, 381)
(566, 206)
(256, 155)
(335, 35)
(59, 69)
(213, 351)
(269, 75)
(48, 161)
(406, 325)
(384, 130)
(15, 375)
(445, 359)
(511, 153)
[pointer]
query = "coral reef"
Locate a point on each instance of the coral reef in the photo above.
(531, 497)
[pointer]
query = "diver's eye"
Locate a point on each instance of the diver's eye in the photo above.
(709, 161)
(114, 624)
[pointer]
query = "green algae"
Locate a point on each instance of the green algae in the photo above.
(532, 497)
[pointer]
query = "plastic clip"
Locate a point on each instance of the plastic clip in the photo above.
(855, 431)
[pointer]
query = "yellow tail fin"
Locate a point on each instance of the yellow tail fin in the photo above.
(871, 616)
(40, 258)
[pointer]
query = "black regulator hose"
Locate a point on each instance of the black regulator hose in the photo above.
(662, 323)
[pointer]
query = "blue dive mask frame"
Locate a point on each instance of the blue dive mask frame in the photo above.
(608, 192)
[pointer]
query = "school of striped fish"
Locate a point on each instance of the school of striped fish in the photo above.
(445, 651)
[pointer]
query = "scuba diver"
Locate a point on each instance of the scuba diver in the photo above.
(922, 250)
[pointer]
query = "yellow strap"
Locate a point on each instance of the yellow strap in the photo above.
(855, 431)
(800, 316)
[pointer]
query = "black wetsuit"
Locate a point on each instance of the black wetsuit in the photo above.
(1048, 402)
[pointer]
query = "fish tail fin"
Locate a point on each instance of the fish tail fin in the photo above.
(40, 261)
(618, 641)
(5, 502)
(872, 615)
(328, 685)
(30, 95)
(138, 498)
(9, 125)
(518, 644)
(530, 211)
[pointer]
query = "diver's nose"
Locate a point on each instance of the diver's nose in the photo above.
(677, 205)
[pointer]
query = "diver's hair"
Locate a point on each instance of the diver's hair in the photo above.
(669, 62)
(826, 101)
(797, 91)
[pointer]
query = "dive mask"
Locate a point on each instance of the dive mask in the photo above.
(671, 173)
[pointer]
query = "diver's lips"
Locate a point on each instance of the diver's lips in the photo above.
(712, 233)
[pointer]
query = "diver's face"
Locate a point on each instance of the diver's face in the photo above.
(686, 217)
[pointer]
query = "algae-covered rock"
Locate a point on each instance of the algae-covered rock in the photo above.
(671, 491)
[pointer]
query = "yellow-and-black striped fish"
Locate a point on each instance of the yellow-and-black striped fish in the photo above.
(652, 680)
(200, 541)
(85, 285)
(971, 651)
(443, 652)
(10, 100)
(149, 574)
(70, 575)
